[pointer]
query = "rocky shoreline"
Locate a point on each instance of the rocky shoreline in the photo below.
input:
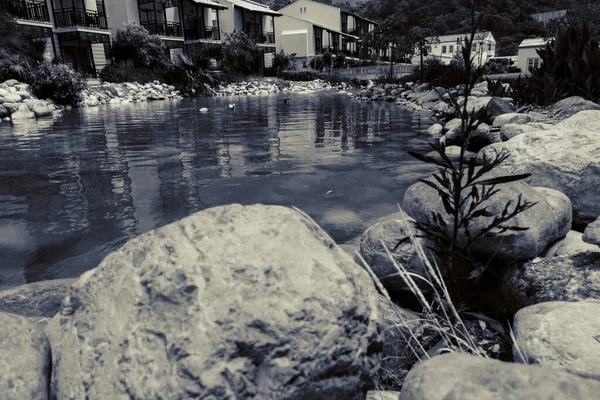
(272, 86)
(17, 103)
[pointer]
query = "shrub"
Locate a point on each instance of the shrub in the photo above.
(438, 74)
(58, 82)
(240, 53)
(569, 66)
(284, 62)
(340, 61)
(135, 43)
(317, 63)
(464, 189)
(202, 55)
(19, 53)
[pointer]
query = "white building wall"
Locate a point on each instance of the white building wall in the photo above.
(525, 53)
(121, 12)
(317, 13)
(288, 39)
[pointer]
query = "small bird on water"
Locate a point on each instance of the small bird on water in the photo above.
(286, 101)
(231, 106)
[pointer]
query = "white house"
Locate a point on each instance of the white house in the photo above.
(308, 28)
(447, 46)
(528, 57)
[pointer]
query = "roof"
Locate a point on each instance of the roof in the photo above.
(534, 42)
(454, 38)
(210, 3)
(321, 26)
(254, 7)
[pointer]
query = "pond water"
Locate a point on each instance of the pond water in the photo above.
(75, 188)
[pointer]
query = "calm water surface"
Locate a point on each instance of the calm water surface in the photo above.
(78, 187)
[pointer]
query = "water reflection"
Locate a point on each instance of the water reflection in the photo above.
(75, 188)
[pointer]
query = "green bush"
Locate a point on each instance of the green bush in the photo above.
(284, 62)
(135, 43)
(569, 66)
(438, 74)
(240, 54)
(58, 82)
(300, 76)
(19, 53)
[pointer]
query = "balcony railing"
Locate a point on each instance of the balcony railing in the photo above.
(193, 29)
(78, 17)
(163, 28)
(262, 37)
(29, 11)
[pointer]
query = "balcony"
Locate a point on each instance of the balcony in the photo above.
(262, 37)
(194, 29)
(78, 17)
(29, 11)
(172, 29)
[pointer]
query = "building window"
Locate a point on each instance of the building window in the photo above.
(451, 49)
(489, 47)
(533, 63)
(443, 49)
(304, 10)
(300, 10)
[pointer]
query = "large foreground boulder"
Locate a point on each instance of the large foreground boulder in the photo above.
(566, 158)
(251, 302)
(563, 278)
(39, 299)
(24, 358)
(460, 376)
(547, 220)
(560, 335)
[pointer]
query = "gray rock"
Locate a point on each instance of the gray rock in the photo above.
(392, 230)
(382, 395)
(497, 106)
(591, 234)
(571, 244)
(421, 88)
(509, 131)
(571, 106)
(11, 107)
(563, 278)
(11, 82)
(42, 111)
(39, 299)
(435, 130)
(230, 302)
(430, 96)
(565, 158)
(460, 376)
(453, 153)
(12, 98)
(25, 95)
(511, 118)
(560, 335)
(20, 115)
(24, 358)
(547, 221)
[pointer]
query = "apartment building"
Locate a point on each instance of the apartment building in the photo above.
(447, 47)
(308, 28)
(80, 31)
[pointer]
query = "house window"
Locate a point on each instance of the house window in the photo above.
(300, 10)
(304, 10)
(489, 47)
(443, 49)
(533, 63)
(451, 49)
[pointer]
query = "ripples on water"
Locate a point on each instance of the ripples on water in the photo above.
(76, 188)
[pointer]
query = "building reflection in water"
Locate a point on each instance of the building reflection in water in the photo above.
(76, 188)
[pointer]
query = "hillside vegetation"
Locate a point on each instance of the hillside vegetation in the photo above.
(508, 20)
